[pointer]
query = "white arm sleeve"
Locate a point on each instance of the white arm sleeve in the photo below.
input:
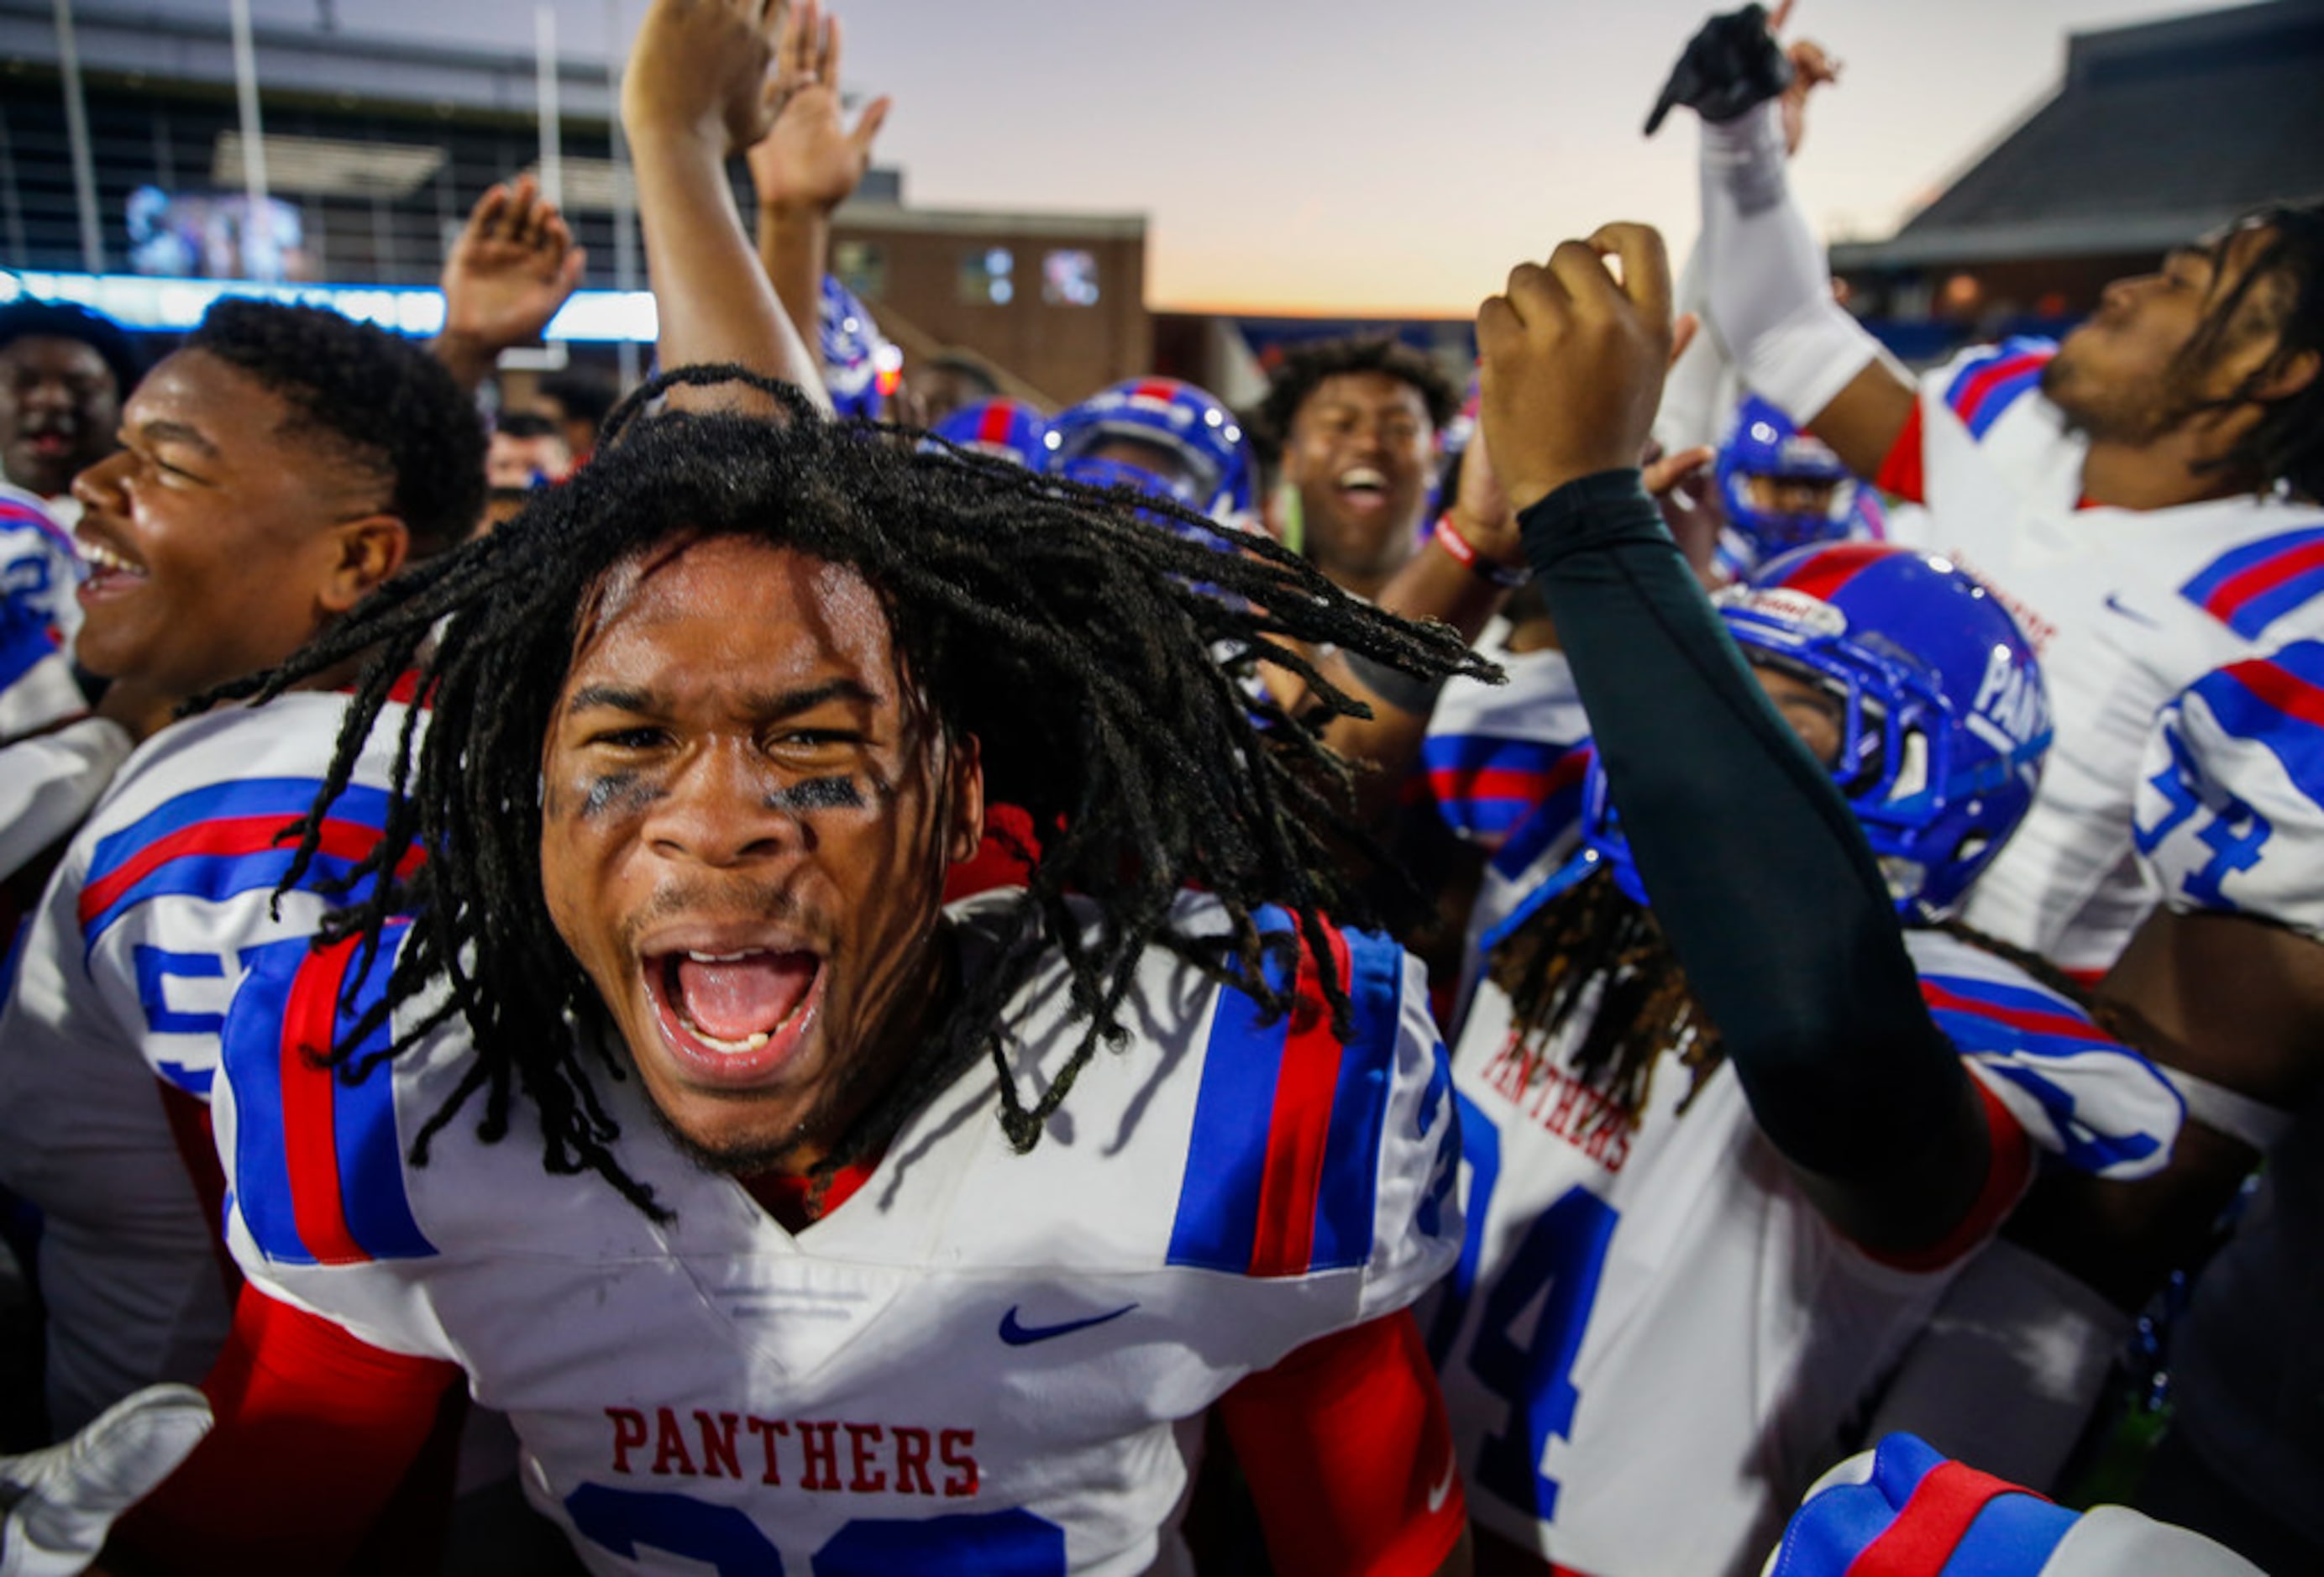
(1701, 392)
(1769, 290)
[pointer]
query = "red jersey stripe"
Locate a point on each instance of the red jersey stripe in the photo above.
(309, 1132)
(1309, 1078)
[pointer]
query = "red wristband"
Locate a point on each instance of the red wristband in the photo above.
(1464, 553)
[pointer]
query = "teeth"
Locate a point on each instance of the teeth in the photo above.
(105, 557)
(756, 1040)
(1362, 476)
(720, 957)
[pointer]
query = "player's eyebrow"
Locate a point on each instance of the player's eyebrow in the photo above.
(177, 432)
(612, 697)
(767, 704)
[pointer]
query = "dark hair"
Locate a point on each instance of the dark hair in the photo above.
(1075, 641)
(381, 400)
(526, 424)
(2284, 282)
(1306, 368)
(582, 395)
(28, 320)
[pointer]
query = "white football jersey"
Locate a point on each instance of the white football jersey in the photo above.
(2230, 814)
(136, 948)
(1504, 765)
(38, 614)
(981, 1360)
(1653, 1341)
(2124, 608)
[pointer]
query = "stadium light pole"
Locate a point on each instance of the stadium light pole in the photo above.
(84, 166)
(625, 240)
(259, 216)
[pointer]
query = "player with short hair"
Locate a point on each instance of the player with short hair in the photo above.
(276, 468)
(1356, 421)
(1728, 1125)
(64, 372)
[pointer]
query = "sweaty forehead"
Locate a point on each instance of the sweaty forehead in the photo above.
(706, 613)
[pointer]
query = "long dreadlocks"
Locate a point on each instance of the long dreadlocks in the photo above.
(2280, 293)
(1089, 653)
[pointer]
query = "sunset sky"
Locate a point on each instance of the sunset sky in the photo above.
(1301, 156)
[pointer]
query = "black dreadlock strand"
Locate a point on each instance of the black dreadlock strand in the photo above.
(1593, 950)
(2280, 293)
(1079, 644)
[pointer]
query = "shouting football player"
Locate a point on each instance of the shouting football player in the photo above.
(797, 1221)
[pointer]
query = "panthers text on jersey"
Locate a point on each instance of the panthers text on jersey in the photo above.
(979, 1361)
(2124, 607)
(1654, 1340)
(163, 899)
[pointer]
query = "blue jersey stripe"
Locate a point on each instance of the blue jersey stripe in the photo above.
(215, 878)
(1217, 1224)
(371, 1192)
(1345, 1199)
(251, 1053)
(2248, 614)
(2295, 741)
(1972, 1032)
(1999, 398)
(1475, 752)
(231, 801)
(2012, 1533)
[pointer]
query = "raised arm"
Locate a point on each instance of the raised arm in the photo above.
(512, 267)
(809, 162)
(694, 94)
(1784, 927)
(1767, 287)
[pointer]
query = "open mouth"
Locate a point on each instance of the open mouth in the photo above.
(733, 1017)
(1363, 487)
(104, 570)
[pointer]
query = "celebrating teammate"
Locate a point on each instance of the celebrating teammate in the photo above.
(1722, 1152)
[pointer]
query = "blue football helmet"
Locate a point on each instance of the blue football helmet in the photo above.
(1783, 488)
(1945, 717)
(1188, 424)
(859, 365)
(1008, 429)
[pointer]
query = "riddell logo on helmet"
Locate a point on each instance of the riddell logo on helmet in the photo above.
(1811, 616)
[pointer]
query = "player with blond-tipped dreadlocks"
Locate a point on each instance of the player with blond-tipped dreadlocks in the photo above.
(910, 1273)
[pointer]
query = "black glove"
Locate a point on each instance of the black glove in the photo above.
(1732, 64)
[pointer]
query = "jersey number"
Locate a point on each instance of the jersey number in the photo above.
(1556, 1266)
(2236, 835)
(1007, 1544)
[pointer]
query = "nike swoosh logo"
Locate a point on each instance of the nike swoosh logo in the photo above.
(1443, 1487)
(2114, 604)
(1017, 1335)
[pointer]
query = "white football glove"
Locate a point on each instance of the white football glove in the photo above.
(58, 1504)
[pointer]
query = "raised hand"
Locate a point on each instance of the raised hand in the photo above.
(699, 68)
(1574, 360)
(1732, 63)
(512, 267)
(810, 159)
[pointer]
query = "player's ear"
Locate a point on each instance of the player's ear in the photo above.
(2289, 375)
(368, 551)
(964, 798)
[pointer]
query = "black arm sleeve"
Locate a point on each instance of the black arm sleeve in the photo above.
(1759, 873)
